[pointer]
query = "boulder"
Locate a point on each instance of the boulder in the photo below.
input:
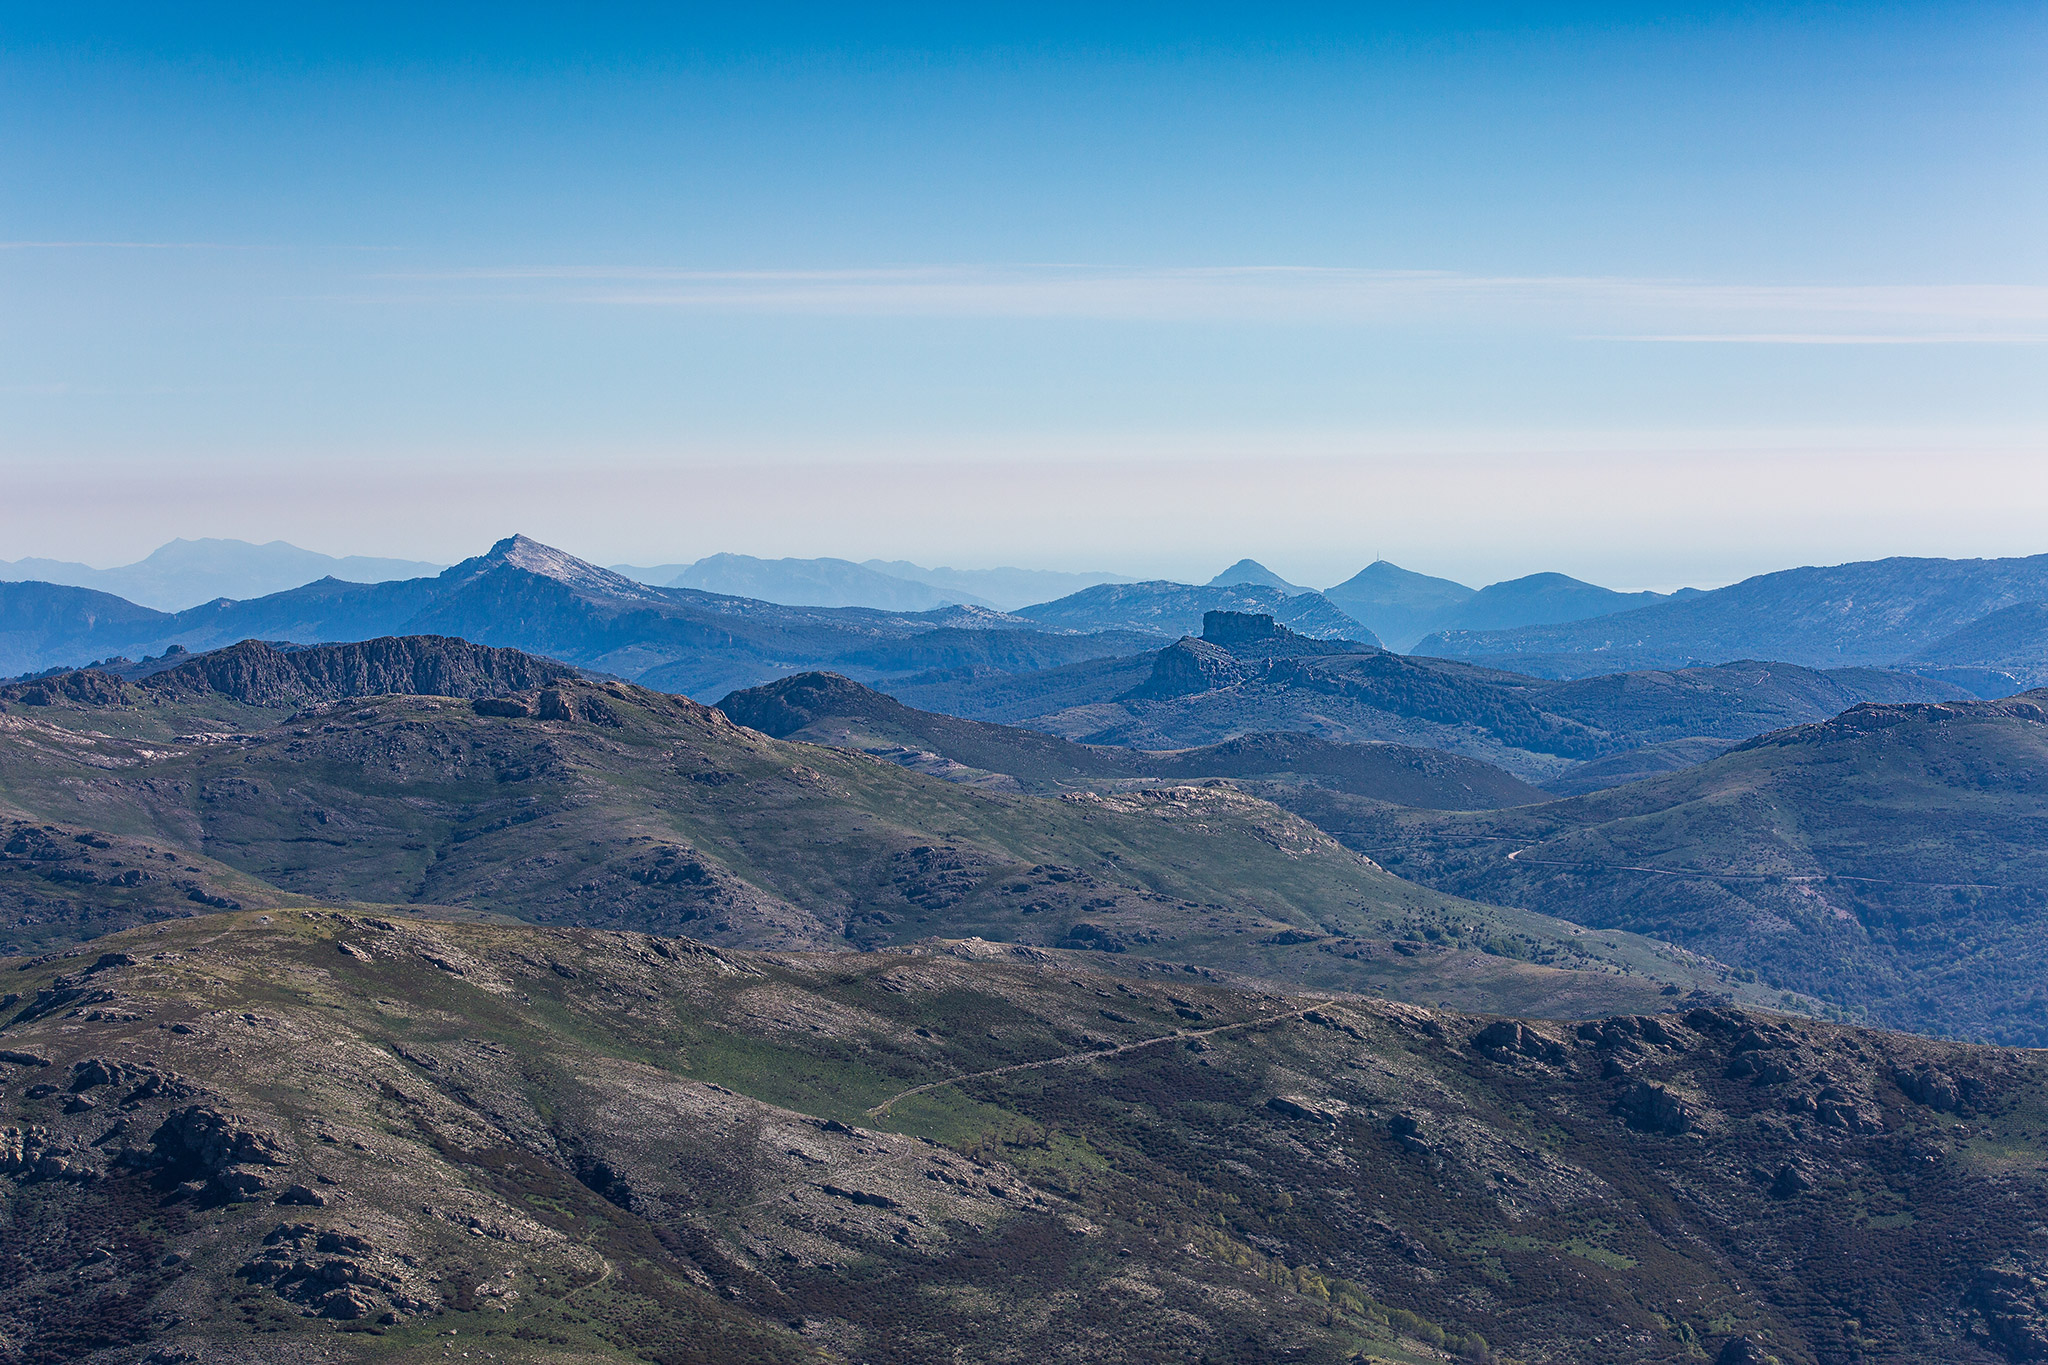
(1743, 1351)
(1789, 1181)
(1292, 1107)
(204, 1141)
(1929, 1086)
(1506, 1039)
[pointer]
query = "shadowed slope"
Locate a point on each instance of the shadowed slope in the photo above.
(1893, 860)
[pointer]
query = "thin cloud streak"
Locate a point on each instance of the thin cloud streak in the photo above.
(131, 246)
(1897, 314)
(1840, 338)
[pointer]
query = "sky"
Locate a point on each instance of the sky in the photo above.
(1653, 296)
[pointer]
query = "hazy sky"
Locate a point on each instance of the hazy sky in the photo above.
(1649, 299)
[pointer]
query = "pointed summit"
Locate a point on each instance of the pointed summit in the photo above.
(1250, 571)
(1400, 605)
(523, 552)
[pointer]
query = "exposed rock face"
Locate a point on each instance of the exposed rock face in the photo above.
(258, 673)
(1654, 1108)
(199, 1141)
(1790, 1180)
(331, 1274)
(1229, 628)
(37, 1153)
(2012, 1296)
(415, 665)
(82, 687)
(1743, 1351)
(1930, 1086)
(1188, 667)
(1508, 1039)
(1296, 1107)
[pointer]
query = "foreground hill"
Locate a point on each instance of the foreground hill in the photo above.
(1870, 614)
(1249, 675)
(529, 596)
(1893, 860)
(347, 1137)
(607, 804)
(823, 708)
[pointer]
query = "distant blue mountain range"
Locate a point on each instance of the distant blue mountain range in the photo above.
(887, 584)
(186, 573)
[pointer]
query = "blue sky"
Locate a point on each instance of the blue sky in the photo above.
(1651, 296)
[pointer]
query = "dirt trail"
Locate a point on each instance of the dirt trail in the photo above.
(1700, 875)
(1178, 1035)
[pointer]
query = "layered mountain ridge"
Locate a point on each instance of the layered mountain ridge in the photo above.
(533, 597)
(1870, 614)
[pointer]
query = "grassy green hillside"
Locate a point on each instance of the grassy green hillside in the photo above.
(1893, 860)
(612, 805)
(343, 1137)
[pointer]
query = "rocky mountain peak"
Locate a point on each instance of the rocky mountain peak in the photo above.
(523, 552)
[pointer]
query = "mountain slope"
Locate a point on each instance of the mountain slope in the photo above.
(341, 1136)
(611, 805)
(40, 622)
(1732, 701)
(1870, 614)
(1893, 860)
